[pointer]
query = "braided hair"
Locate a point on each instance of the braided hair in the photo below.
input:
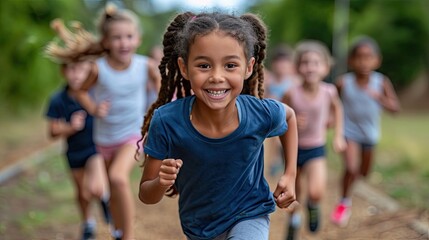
(248, 30)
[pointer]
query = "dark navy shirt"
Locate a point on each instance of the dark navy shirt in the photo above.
(61, 106)
(221, 181)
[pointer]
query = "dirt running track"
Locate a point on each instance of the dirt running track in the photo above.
(372, 218)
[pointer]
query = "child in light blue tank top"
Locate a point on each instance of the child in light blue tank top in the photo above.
(365, 93)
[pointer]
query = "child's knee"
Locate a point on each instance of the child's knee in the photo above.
(83, 195)
(316, 195)
(118, 181)
(96, 191)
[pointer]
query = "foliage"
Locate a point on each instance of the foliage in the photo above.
(27, 77)
(400, 27)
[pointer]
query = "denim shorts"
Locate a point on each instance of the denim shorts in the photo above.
(307, 154)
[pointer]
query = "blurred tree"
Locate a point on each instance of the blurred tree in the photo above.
(401, 31)
(401, 28)
(26, 76)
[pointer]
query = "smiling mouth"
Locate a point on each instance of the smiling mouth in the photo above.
(216, 93)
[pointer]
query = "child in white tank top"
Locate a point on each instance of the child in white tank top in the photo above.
(119, 81)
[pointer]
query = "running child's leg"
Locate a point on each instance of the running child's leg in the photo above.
(96, 179)
(351, 171)
(122, 202)
(83, 198)
(82, 194)
(316, 187)
(367, 156)
(342, 211)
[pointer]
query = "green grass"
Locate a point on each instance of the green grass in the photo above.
(401, 163)
(402, 158)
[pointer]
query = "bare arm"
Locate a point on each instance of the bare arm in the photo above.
(154, 74)
(83, 95)
(158, 176)
(388, 99)
(339, 84)
(289, 142)
(60, 128)
(285, 191)
(339, 142)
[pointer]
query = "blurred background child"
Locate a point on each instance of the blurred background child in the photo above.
(313, 101)
(282, 74)
(119, 80)
(364, 93)
(279, 79)
(69, 121)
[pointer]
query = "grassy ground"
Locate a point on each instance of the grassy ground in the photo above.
(400, 166)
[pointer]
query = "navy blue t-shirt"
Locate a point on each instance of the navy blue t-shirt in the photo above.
(61, 106)
(221, 181)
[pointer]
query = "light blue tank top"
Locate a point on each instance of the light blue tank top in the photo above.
(361, 111)
(126, 92)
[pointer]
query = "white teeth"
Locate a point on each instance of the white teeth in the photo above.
(216, 92)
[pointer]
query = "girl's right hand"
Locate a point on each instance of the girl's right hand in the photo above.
(102, 109)
(168, 171)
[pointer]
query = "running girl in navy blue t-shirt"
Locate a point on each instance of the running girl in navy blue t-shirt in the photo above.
(208, 145)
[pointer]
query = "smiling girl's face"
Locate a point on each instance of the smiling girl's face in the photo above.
(216, 69)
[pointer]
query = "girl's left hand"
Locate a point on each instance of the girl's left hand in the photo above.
(284, 194)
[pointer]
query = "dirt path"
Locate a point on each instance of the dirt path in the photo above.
(368, 222)
(373, 217)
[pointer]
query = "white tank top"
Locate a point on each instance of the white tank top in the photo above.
(126, 92)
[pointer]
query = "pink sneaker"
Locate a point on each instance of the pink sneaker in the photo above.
(341, 215)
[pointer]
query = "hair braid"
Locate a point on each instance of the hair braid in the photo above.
(256, 80)
(171, 79)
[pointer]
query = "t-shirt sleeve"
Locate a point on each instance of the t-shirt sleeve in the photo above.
(53, 110)
(277, 113)
(156, 145)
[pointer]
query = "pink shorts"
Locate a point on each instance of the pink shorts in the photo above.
(109, 151)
